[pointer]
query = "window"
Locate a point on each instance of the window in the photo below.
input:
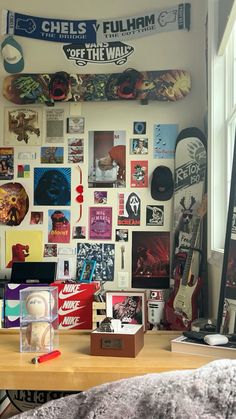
(222, 124)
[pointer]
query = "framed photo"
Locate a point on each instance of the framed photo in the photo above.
(87, 271)
(128, 306)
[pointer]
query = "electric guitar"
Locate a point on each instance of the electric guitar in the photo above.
(181, 307)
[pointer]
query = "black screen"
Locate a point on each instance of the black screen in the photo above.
(33, 272)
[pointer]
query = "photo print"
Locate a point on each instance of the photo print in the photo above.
(150, 259)
(155, 215)
(139, 128)
(50, 250)
(164, 138)
(107, 159)
(52, 155)
(100, 223)
(23, 126)
(79, 232)
(139, 174)
(52, 186)
(75, 125)
(128, 209)
(100, 197)
(6, 163)
(58, 226)
(75, 150)
(103, 254)
(122, 235)
(139, 146)
(36, 217)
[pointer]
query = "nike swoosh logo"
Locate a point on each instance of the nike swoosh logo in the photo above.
(70, 326)
(65, 311)
(63, 295)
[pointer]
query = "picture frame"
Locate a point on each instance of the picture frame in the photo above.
(87, 271)
(128, 306)
(226, 318)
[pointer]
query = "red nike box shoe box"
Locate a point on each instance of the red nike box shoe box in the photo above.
(75, 304)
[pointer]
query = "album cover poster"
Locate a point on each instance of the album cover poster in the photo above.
(52, 186)
(6, 163)
(100, 223)
(23, 126)
(164, 137)
(155, 215)
(58, 226)
(128, 209)
(103, 254)
(139, 174)
(150, 259)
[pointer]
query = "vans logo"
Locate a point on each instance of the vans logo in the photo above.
(69, 306)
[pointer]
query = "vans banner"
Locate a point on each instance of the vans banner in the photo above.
(96, 31)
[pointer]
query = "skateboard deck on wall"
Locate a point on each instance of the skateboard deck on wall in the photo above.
(189, 197)
(164, 85)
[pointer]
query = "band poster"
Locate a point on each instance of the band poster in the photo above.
(100, 223)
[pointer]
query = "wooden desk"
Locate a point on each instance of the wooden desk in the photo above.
(76, 369)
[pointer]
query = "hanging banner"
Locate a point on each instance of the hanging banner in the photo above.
(96, 31)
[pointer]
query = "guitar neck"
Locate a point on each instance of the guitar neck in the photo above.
(188, 261)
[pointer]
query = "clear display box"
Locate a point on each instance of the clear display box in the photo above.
(38, 319)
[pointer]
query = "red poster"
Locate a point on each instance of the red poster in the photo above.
(139, 174)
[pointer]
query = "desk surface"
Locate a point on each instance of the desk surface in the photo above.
(76, 369)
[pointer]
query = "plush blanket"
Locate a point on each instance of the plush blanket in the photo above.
(207, 393)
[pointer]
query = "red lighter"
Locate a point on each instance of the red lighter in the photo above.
(45, 357)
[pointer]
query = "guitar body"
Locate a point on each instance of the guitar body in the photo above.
(181, 308)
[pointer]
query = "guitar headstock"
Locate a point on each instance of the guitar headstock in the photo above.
(203, 207)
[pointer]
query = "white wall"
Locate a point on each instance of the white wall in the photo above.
(179, 49)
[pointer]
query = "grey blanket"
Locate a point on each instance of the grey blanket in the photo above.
(207, 393)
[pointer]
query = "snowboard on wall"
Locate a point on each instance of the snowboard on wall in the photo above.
(165, 85)
(189, 196)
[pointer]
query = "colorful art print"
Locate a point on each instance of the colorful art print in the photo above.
(59, 226)
(87, 270)
(23, 246)
(100, 223)
(164, 138)
(103, 254)
(139, 146)
(55, 125)
(129, 307)
(50, 250)
(75, 124)
(23, 126)
(155, 215)
(107, 159)
(6, 163)
(100, 197)
(14, 203)
(23, 170)
(36, 217)
(139, 128)
(122, 235)
(52, 186)
(52, 155)
(150, 259)
(129, 209)
(139, 174)
(79, 232)
(75, 150)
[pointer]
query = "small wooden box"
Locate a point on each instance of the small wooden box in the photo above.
(98, 307)
(126, 343)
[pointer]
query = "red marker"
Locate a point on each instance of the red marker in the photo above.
(46, 357)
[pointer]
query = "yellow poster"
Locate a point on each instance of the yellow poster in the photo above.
(23, 246)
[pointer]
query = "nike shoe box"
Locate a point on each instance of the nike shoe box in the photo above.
(75, 304)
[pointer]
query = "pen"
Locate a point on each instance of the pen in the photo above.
(45, 357)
